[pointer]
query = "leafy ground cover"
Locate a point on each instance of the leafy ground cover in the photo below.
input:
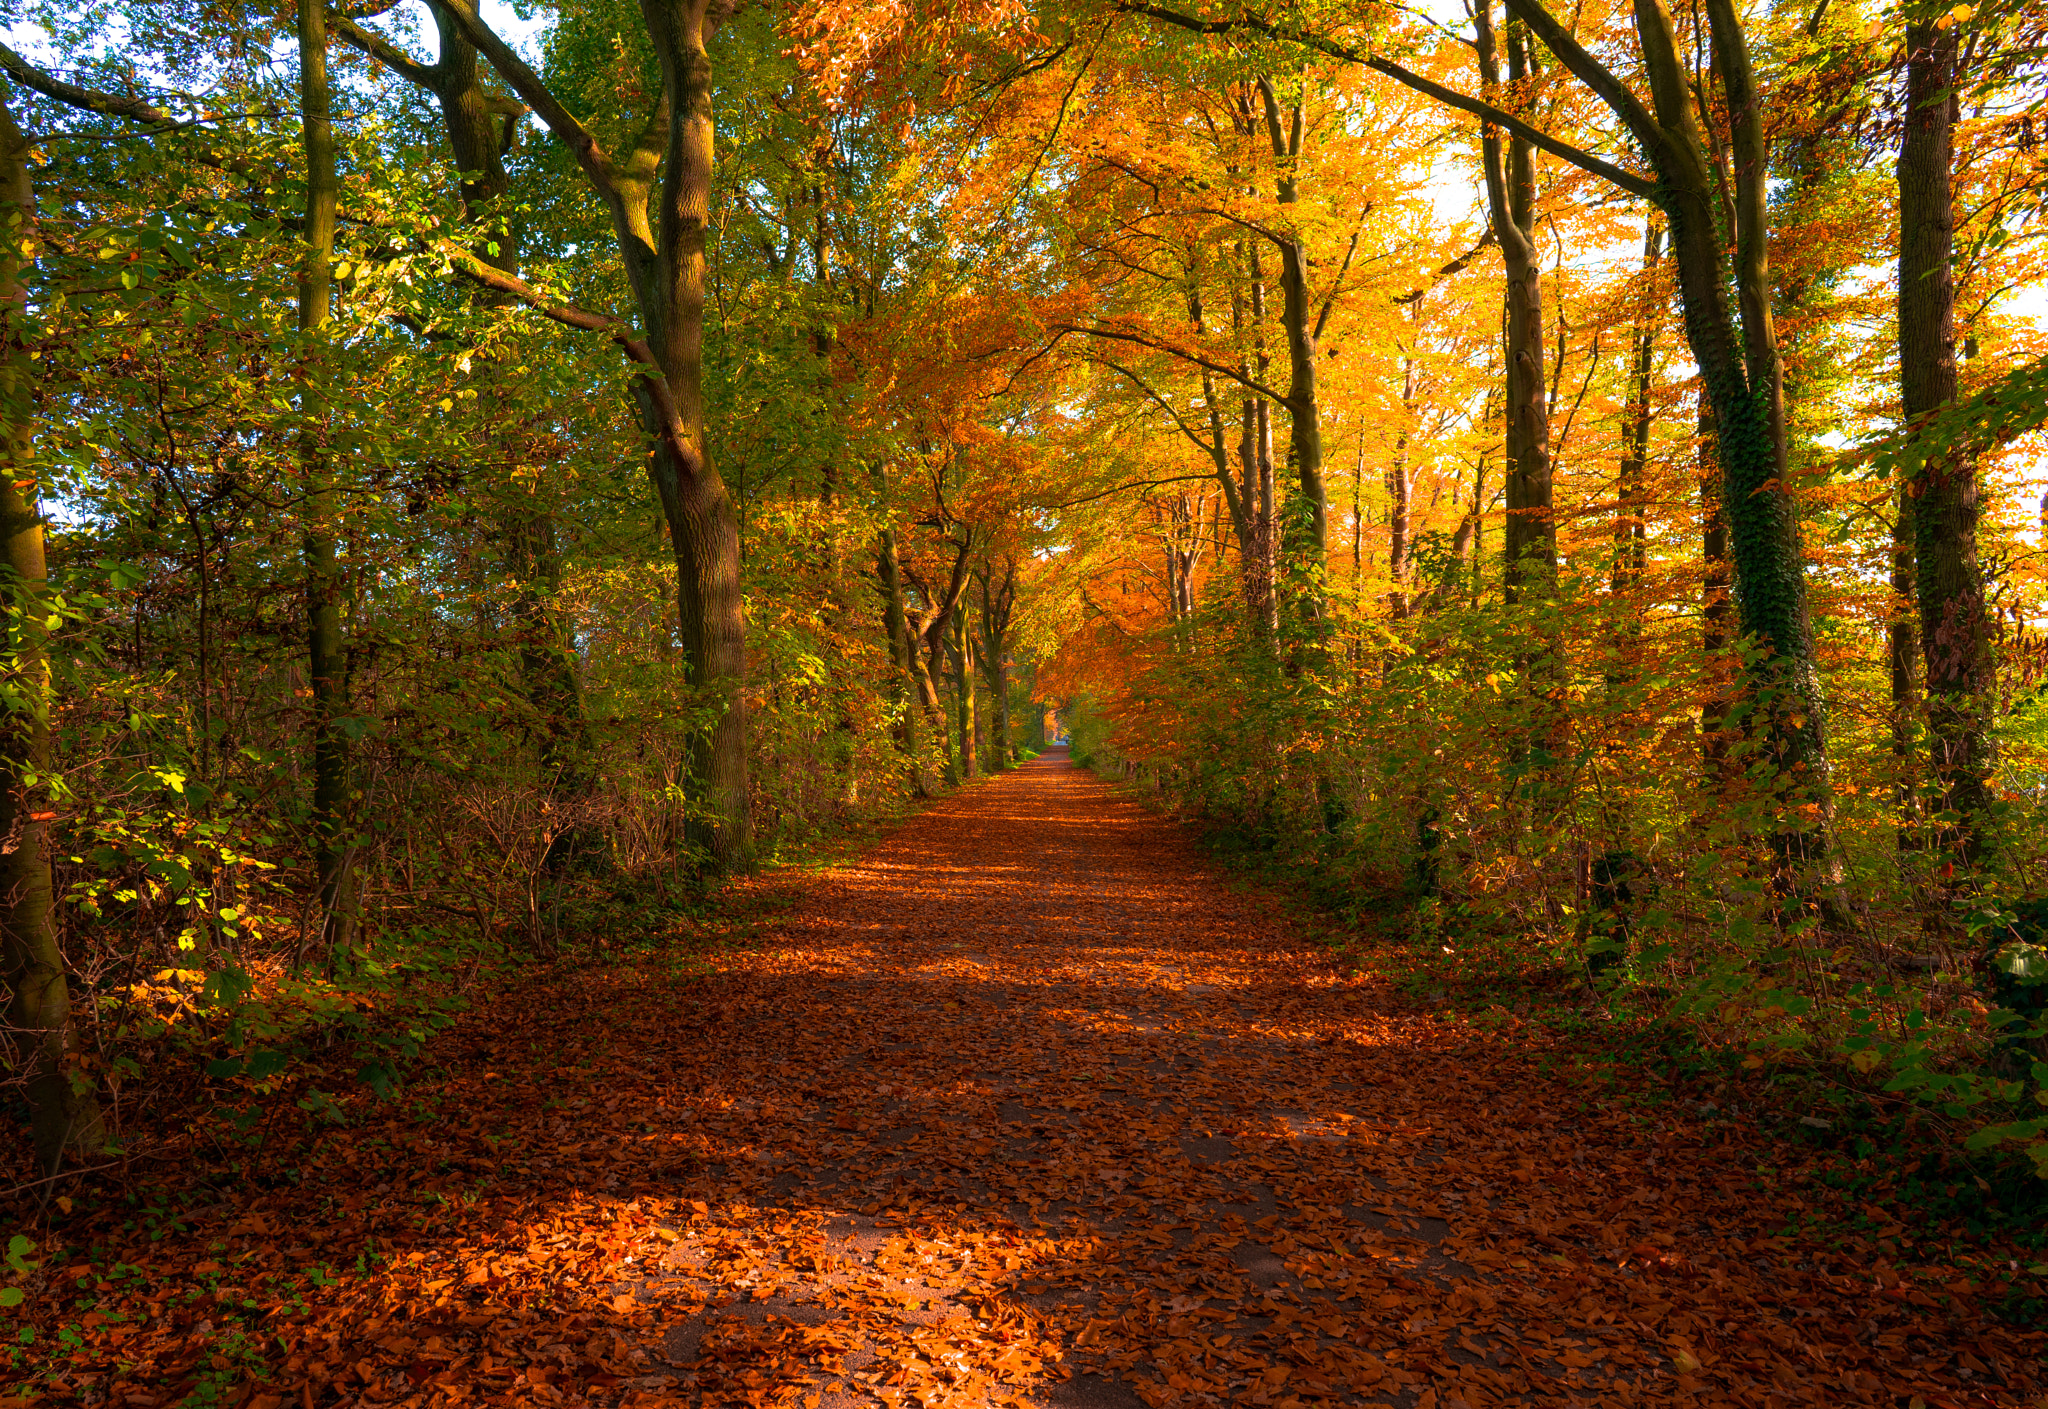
(1026, 1106)
(1976, 1211)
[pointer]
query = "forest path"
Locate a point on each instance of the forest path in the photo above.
(1027, 1107)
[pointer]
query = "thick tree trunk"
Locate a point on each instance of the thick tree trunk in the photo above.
(1955, 630)
(1240, 496)
(921, 652)
(327, 663)
(1257, 560)
(930, 633)
(1744, 379)
(64, 1114)
(704, 527)
(998, 596)
(961, 648)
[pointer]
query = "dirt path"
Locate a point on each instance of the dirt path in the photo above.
(1025, 1108)
(1029, 1106)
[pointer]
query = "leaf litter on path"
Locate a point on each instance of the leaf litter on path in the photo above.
(1023, 1109)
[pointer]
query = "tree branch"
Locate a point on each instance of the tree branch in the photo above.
(376, 46)
(137, 110)
(581, 142)
(1590, 71)
(1208, 447)
(586, 320)
(1456, 266)
(1450, 97)
(85, 99)
(1221, 369)
(1134, 484)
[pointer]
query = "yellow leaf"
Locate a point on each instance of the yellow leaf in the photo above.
(1685, 1362)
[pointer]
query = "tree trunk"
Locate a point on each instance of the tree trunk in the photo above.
(327, 663)
(1531, 547)
(1630, 531)
(1257, 562)
(663, 261)
(1297, 319)
(1955, 632)
(930, 635)
(903, 652)
(961, 648)
(1716, 602)
(998, 596)
(1744, 379)
(1400, 491)
(704, 528)
(921, 653)
(64, 1115)
(1902, 647)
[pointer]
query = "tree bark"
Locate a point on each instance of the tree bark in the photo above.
(1744, 379)
(663, 258)
(1902, 649)
(1297, 321)
(1630, 530)
(327, 663)
(1400, 491)
(1531, 546)
(927, 640)
(1258, 565)
(704, 526)
(1716, 601)
(64, 1112)
(961, 648)
(1241, 492)
(1955, 630)
(998, 598)
(903, 652)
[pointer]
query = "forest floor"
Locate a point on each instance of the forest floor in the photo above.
(1027, 1106)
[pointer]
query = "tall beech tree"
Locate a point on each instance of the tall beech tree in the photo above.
(658, 193)
(1531, 549)
(1942, 500)
(326, 578)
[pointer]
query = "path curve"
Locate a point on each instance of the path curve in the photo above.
(1029, 1107)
